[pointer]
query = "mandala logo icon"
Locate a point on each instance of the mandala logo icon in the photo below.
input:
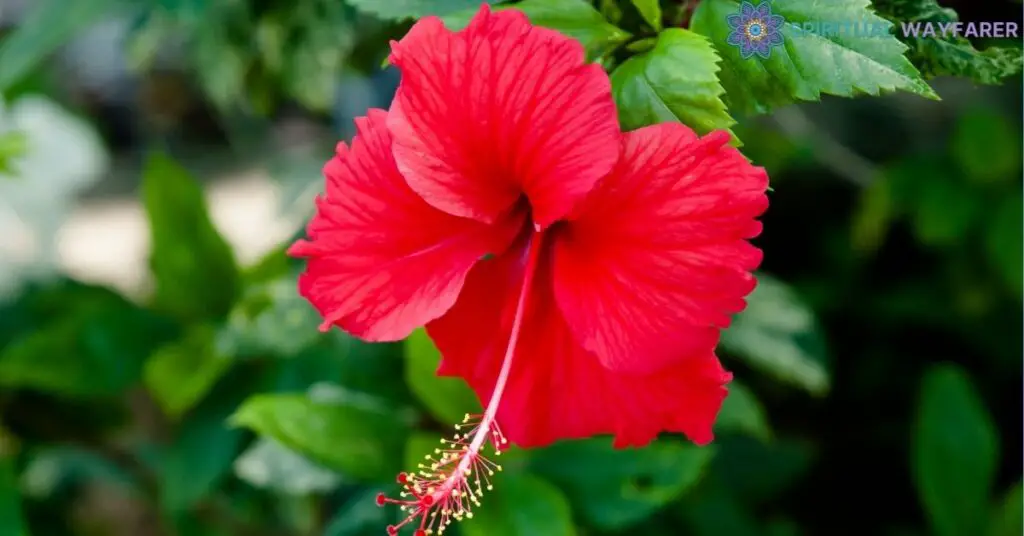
(755, 30)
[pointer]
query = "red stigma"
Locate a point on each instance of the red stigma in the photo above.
(451, 480)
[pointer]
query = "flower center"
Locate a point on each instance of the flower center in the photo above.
(454, 477)
(755, 29)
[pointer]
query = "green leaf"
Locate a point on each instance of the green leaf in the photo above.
(716, 512)
(96, 348)
(1009, 515)
(755, 471)
(939, 57)
(873, 216)
(44, 29)
(314, 64)
(275, 264)
(57, 469)
(650, 10)
(779, 334)
(448, 399)
(180, 374)
(356, 434)
(418, 447)
(272, 466)
(201, 454)
(742, 412)
(13, 145)
(954, 453)
(612, 488)
(360, 515)
(222, 66)
(947, 55)
(271, 319)
(676, 81)
(414, 9)
(987, 147)
(574, 18)
(12, 522)
(195, 271)
(1003, 241)
(808, 65)
(610, 10)
(521, 505)
(945, 211)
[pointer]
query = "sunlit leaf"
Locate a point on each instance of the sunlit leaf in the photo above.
(270, 465)
(359, 435)
(675, 81)
(12, 145)
(180, 374)
(808, 65)
(650, 10)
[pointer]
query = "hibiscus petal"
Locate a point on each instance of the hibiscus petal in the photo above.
(656, 260)
(557, 389)
(499, 109)
(381, 261)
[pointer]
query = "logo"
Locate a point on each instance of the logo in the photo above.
(755, 30)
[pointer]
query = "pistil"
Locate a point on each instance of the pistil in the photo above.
(450, 483)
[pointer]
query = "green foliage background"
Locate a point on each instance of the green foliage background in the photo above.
(878, 364)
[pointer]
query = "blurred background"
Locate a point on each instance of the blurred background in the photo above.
(155, 158)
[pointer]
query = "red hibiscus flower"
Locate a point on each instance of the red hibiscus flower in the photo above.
(576, 277)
